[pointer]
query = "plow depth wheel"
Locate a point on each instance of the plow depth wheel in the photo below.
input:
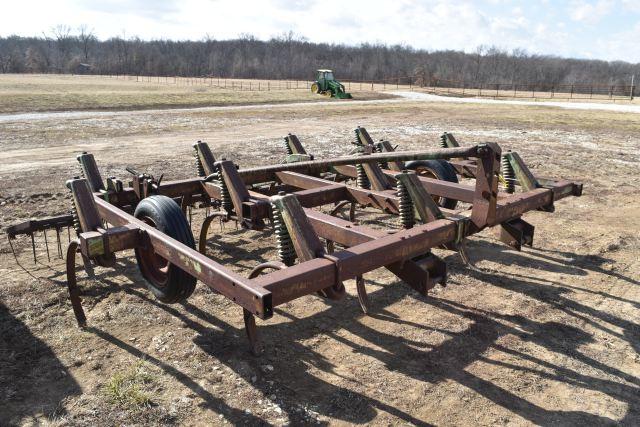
(436, 169)
(167, 282)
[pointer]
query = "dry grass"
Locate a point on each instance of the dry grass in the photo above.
(34, 92)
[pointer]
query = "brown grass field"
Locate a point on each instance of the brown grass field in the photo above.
(42, 92)
(546, 336)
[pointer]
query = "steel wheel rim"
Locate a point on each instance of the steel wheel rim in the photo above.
(426, 172)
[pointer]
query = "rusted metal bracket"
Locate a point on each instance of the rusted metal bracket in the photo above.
(364, 139)
(447, 140)
(144, 184)
(483, 212)
(205, 161)
(242, 205)
(434, 267)
(423, 203)
(88, 217)
(385, 146)
(377, 180)
(103, 242)
(305, 241)
(295, 150)
(294, 146)
(362, 136)
(524, 177)
(91, 172)
(516, 233)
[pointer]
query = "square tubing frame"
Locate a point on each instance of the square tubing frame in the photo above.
(368, 249)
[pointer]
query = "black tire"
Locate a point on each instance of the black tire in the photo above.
(439, 169)
(167, 282)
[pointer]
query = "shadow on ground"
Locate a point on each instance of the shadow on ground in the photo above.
(33, 382)
(445, 362)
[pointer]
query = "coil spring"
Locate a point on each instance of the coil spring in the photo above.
(287, 147)
(199, 166)
(377, 148)
(356, 139)
(225, 197)
(407, 216)
(443, 140)
(286, 251)
(76, 218)
(508, 174)
(362, 180)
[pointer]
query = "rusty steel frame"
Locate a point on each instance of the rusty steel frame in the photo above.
(307, 184)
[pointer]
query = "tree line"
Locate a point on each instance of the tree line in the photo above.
(289, 56)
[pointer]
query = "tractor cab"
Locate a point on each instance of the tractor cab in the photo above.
(324, 75)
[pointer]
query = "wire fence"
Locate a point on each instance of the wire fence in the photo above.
(408, 82)
(219, 82)
(532, 90)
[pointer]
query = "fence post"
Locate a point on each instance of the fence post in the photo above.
(571, 91)
(633, 77)
(480, 91)
(497, 89)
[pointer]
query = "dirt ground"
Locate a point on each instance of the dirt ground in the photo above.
(546, 336)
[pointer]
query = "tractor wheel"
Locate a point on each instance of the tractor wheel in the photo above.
(315, 88)
(167, 282)
(436, 169)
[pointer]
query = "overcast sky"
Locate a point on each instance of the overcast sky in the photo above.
(603, 29)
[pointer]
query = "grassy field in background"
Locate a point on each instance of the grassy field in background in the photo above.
(36, 92)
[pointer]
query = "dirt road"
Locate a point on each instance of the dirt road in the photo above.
(546, 336)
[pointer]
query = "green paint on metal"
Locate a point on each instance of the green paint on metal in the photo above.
(95, 247)
(326, 84)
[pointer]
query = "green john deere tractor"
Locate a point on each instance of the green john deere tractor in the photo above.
(327, 85)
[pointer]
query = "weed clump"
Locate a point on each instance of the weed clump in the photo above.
(128, 388)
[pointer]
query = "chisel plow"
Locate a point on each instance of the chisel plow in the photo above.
(433, 198)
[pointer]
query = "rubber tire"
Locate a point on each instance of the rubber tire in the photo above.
(170, 220)
(317, 88)
(443, 170)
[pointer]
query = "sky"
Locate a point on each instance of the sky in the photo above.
(599, 29)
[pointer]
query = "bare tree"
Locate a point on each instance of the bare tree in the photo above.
(291, 56)
(86, 38)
